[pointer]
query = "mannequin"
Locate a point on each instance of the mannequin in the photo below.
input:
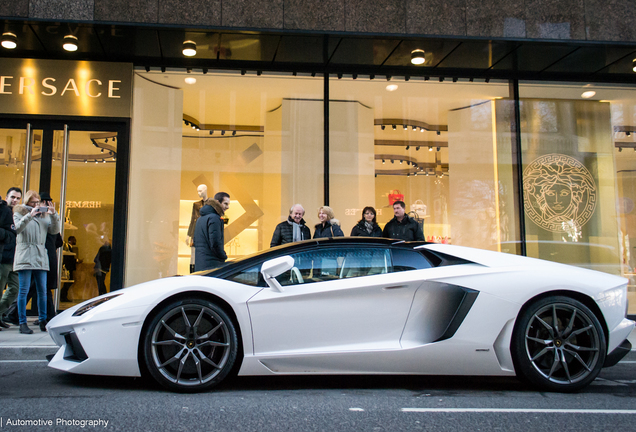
(202, 191)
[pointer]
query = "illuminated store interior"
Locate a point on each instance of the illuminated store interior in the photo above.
(443, 146)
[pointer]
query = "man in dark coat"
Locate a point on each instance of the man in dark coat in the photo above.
(208, 237)
(401, 226)
(7, 237)
(293, 229)
(7, 275)
(102, 265)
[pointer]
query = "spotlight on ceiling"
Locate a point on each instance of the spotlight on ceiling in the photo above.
(430, 148)
(634, 65)
(439, 148)
(417, 57)
(70, 43)
(9, 40)
(408, 147)
(189, 48)
(190, 80)
(417, 148)
(405, 127)
(628, 133)
(382, 127)
(588, 94)
(393, 126)
(391, 87)
(383, 161)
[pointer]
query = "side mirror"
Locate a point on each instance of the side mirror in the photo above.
(277, 266)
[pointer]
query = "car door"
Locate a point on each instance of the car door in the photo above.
(333, 300)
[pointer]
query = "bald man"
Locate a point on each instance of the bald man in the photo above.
(293, 229)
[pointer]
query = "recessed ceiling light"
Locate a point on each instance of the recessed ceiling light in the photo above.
(588, 94)
(417, 57)
(634, 65)
(70, 43)
(392, 87)
(189, 48)
(190, 80)
(9, 40)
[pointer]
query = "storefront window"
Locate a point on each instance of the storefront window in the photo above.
(578, 166)
(12, 143)
(258, 138)
(88, 218)
(444, 148)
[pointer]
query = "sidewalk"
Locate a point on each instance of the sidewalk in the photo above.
(17, 346)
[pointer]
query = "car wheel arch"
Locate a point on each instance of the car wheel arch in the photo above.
(586, 300)
(192, 294)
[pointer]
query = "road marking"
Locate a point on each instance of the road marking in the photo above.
(627, 362)
(518, 410)
(356, 409)
(29, 346)
(22, 361)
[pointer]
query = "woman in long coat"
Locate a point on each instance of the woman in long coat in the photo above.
(31, 259)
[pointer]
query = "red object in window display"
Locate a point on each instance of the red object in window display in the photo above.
(394, 196)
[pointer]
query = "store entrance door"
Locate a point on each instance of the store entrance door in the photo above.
(76, 162)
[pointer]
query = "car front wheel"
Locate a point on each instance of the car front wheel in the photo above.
(558, 344)
(190, 345)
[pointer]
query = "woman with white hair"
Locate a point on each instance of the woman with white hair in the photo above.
(328, 226)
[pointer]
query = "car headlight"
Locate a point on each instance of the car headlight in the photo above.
(93, 304)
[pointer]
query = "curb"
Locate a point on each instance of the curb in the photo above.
(26, 352)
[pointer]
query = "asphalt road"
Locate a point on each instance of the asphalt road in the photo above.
(29, 390)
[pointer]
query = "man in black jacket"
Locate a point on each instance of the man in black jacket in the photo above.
(208, 235)
(401, 226)
(293, 229)
(7, 236)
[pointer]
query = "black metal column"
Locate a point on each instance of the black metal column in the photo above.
(45, 161)
(326, 138)
(517, 166)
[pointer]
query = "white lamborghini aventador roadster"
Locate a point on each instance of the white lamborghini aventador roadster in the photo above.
(355, 306)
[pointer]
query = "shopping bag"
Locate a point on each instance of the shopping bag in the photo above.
(394, 196)
(419, 208)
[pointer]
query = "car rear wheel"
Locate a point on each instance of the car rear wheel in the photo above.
(558, 344)
(190, 345)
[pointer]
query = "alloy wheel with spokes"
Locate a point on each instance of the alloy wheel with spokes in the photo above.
(190, 345)
(558, 344)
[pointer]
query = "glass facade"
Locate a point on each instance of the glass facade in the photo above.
(447, 149)
(563, 188)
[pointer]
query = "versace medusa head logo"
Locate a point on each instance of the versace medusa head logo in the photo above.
(558, 190)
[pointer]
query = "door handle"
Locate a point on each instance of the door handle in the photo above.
(395, 287)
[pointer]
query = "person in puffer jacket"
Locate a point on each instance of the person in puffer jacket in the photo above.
(31, 258)
(368, 225)
(328, 226)
(293, 229)
(209, 243)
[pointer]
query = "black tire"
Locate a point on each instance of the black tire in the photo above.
(565, 357)
(190, 345)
